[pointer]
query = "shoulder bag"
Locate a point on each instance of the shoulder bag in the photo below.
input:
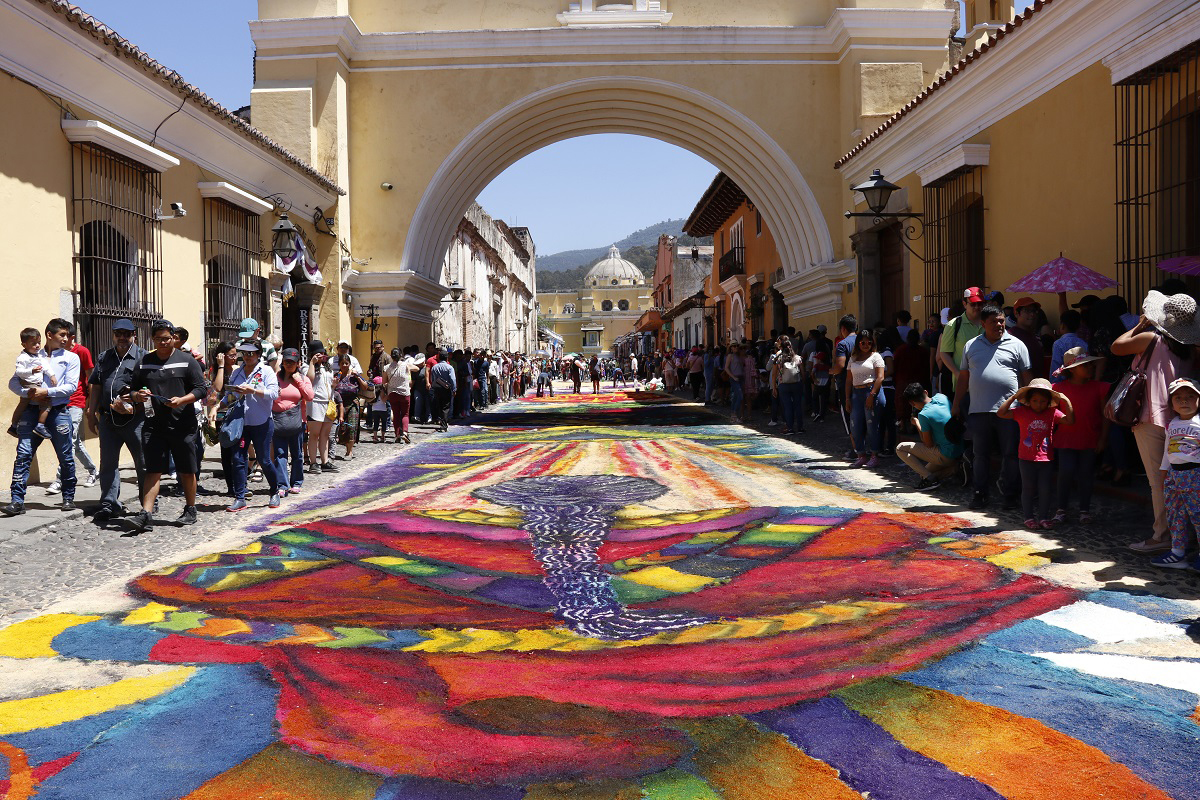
(289, 423)
(231, 422)
(1124, 406)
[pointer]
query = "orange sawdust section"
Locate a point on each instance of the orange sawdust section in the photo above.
(20, 775)
(601, 790)
(280, 773)
(1020, 758)
(747, 763)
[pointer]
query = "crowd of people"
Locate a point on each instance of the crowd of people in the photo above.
(277, 416)
(996, 397)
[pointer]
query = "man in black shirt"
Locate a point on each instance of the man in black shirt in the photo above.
(171, 381)
(114, 369)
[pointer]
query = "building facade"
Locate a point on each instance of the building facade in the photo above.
(1069, 130)
(129, 193)
(590, 321)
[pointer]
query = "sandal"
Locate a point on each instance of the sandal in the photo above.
(1032, 524)
(1151, 546)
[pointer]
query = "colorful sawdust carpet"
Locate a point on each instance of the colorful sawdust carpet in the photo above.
(639, 607)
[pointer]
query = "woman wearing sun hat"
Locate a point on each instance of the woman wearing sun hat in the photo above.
(1167, 330)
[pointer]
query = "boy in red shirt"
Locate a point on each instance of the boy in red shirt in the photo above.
(1037, 416)
(1078, 444)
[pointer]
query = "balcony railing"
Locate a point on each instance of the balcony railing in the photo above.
(732, 263)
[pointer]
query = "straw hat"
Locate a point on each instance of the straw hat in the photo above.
(1037, 383)
(1077, 356)
(1175, 315)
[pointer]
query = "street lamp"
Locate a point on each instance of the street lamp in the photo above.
(456, 296)
(283, 237)
(877, 191)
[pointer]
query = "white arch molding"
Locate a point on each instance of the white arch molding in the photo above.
(650, 107)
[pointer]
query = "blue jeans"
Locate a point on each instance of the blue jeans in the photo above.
(259, 436)
(81, 452)
(991, 434)
(735, 396)
(58, 421)
(864, 422)
(114, 436)
(289, 447)
(791, 402)
(422, 409)
(1075, 472)
(710, 384)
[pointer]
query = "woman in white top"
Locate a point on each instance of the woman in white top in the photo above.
(864, 380)
(320, 425)
(787, 378)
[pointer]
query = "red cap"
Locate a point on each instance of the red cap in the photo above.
(973, 295)
(1025, 301)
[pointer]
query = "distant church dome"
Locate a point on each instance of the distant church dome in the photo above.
(614, 271)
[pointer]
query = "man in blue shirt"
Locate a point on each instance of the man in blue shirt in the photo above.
(936, 456)
(1068, 327)
(64, 366)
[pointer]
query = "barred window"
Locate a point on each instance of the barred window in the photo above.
(1158, 170)
(233, 283)
(954, 241)
(118, 242)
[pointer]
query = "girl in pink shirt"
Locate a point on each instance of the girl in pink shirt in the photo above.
(1037, 414)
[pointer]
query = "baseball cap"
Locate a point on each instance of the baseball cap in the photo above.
(973, 295)
(343, 342)
(994, 296)
(821, 329)
(249, 346)
(248, 327)
(1025, 301)
(290, 354)
(1182, 383)
(945, 316)
(124, 325)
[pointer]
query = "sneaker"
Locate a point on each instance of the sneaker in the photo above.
(140, 522)
(979, 501)
(274, 501)
(1171, 561)
(41, 431)
(773, 424)
(188, 517)
(1150, 546)
(1085, 518)
(69, 505)
(238, 505)
(327, 467)
(13, 509)
(1060, 516)
(928, 483)
(294, 490)
(850, 455)
(314, 469)
(871, 463)
(257, 475)
(1032, 524)
(55, 487)
(861, 461)
(91, 479)
(102, 516)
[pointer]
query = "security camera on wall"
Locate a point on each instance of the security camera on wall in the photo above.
(178, 210)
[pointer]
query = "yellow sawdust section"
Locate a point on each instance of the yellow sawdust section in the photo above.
(32, 638)
(600, 790)
(768, 485)
(671, 580)
(280, 773)
(148, 614)
(474, 640)
(747, 763)
(33, 713)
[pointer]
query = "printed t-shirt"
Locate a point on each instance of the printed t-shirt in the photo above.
(1183, 443)
(1037, 432)
(862, 373)
(79, 398)
(1087, 400)
(175, 376)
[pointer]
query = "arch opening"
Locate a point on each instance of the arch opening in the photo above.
(669, 112)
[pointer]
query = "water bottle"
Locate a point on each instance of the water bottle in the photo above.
(148, 407)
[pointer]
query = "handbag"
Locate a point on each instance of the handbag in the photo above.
(232, 424)
(1124, 405)
(288, 423)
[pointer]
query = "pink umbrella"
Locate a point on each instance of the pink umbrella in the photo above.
(1184, 265)
(1062, 275)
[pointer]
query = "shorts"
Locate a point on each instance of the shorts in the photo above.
(158, 443)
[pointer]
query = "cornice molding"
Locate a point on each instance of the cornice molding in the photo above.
(1065, 39)
(401, 293)
(965, 155)
(818, 289)
(911, 27)
(1155, 45)
(232, 194)
(93, 131)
